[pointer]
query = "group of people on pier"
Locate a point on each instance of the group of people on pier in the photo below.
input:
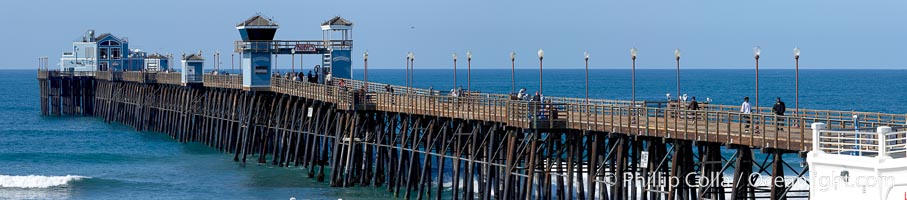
(298, 76)
(778, 110)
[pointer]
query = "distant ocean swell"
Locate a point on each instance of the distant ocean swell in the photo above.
(37, 181)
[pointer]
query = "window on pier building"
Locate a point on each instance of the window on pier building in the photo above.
(110, 43)
(102, 66)
(89, 52)
(103, 53)
(115, 53)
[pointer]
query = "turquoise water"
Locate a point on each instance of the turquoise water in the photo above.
(107, 161)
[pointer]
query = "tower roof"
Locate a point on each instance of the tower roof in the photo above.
(257, 20)
(197, 56)
(102, 36)
(156, 56)
(337, 21)
(105, 35)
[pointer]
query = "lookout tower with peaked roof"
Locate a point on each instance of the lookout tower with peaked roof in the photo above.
(258, 47)
(258, 32)
(338, 38)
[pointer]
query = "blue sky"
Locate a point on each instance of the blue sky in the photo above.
(710, 33)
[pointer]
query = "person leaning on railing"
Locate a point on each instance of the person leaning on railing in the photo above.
(390, 92)
(778, 109)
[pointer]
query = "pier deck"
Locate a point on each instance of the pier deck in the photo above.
(507, 149)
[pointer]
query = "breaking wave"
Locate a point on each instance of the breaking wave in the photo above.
(37, 181)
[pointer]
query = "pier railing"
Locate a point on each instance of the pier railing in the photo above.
(286, 46)
(233, 81)
(140, 77)
(109, 75)
(172, 78)
(43, 74)
(884, 141)
(834, 118)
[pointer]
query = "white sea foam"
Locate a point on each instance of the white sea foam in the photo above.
(36, 181)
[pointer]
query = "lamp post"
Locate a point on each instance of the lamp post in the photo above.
(586, 57)
(756, 52)
(406, 74)
(455, 70)
(216, 60)
(365, 74)
(541, 56)
(677, 60)
(633, 76)
(797, 71)
(412, 69)
(512, 71)
(468, 72)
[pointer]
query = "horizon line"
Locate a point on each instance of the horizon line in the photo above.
(481, 68)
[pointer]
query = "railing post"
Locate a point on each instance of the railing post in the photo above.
(882, 132)
(816, 128)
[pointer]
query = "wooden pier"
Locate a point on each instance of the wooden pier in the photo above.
(418, 144)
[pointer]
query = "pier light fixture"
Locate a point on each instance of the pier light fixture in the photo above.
(756, 52)
(586, 58)
(797, 71)
(216, 60)
(412, 69)
(454, 55)
(406, 74)
(468, 71)
(677, 61)
(541, 56)
(633, 76)
(365, 74)
(512, 72)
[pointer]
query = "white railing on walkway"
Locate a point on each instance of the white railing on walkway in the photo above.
(881, 142)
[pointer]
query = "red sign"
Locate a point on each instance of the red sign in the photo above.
(305, 48)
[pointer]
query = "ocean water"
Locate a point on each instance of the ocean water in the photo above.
(85, 158)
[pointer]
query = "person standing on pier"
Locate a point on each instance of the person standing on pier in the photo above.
(693, 107)
(746, 109)
(536, 103)
(778, 109)
(309, 77)
(390, 92)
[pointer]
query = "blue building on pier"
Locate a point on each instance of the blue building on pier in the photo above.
(107, 52)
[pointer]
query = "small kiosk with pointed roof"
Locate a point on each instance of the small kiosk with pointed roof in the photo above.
(193, 65)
